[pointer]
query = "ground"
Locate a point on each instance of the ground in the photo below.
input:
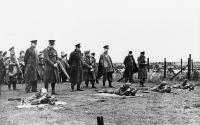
(179, 107)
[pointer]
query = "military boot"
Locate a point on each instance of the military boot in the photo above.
(110, 85)
(93, 86)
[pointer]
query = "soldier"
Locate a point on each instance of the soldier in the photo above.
(76, 71)
(51, 74)
(12, 69)
(31, 71)
(94, 65)
(130, 67)
(66, 66)
(22, 66)
(89, 73)
(142, 71)
(41, 65)
(106, 67)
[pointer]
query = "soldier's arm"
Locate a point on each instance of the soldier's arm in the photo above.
(125, 60)
(26, 56)
(47, 59)
(86, 64)
(70, 59)
(101, 60)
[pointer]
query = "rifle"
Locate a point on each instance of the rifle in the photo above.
(63, 69)
(117, 70)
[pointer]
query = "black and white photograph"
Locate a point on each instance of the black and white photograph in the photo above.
(100, 62)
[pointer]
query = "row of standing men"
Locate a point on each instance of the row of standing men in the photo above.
(45, 67)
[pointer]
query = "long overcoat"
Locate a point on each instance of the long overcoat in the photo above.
(1, 71)
(31, 63)
(130, 66)
(76, 67)
(51, 74)
(142, 71)
(101, 68)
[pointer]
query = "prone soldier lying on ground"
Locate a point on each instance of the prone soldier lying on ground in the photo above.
(162, 88)
(185, 85)
(124, 90)
(42, 97)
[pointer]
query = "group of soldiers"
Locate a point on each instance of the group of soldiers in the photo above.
(47, 67)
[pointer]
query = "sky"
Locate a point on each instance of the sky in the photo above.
(163, 28)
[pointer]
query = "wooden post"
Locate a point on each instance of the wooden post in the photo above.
(165, 68)
(181, 65)
(100, 120)
(148, 64)
(189, 67)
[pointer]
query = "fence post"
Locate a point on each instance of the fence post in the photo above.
(189, 67)
(100, 120)
(181, 65)
(148, 64)
(165, 68)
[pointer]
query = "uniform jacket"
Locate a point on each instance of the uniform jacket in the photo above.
(102, 69)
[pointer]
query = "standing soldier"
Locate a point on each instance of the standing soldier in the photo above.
(31, 75)
(22, 66)
(76, 71)
(142, 72)
(130, 67)
(12, 69)
(89, 73)
(65, 64)
(41, 65)
(51, 74)
(106, 67)
(94, 66)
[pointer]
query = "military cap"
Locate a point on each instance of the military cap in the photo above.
(51, 42)
(93, 53)
(78, 45)
(11, 48)
(106, 47)
(143, 52)
(21, 52)
(4, 53)
(130, 52)
(34, 41)
(41, 52)
(87, 52)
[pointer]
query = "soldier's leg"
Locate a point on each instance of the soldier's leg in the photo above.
(92, 82)
(104, 79)
(34, 86)
(79, 86)
(110, 79)
(9, 85)
(14, 82)
(46, 85)
(28, 87)
(72, 87)
(142, 82)
(86, 80)
(53, 87)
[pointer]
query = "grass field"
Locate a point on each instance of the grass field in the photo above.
(180, 107)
